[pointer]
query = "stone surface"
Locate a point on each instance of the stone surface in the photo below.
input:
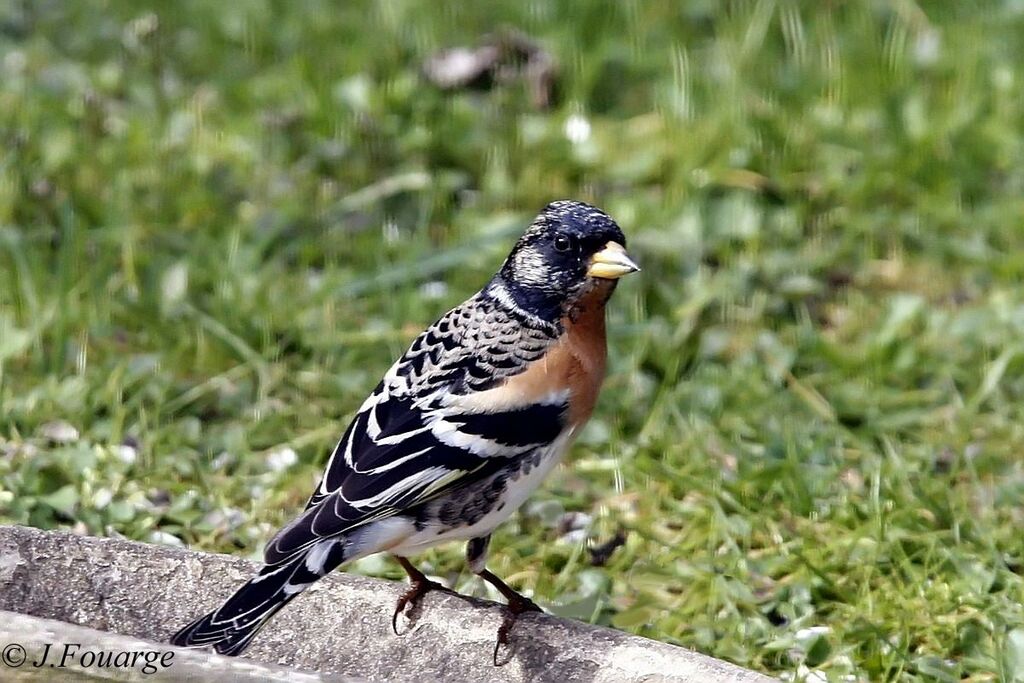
(342, 625)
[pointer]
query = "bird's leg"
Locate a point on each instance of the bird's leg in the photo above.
(419, 585)
(476, 554)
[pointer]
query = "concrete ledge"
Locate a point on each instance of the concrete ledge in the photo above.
(339, 626)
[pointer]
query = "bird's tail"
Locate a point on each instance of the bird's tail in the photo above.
(231, 627)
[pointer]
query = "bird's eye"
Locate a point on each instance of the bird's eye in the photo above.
(562, 243)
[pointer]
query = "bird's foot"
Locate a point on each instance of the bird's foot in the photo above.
(410, 599)
(516, 606)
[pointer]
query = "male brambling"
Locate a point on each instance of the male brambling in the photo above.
(460, 431)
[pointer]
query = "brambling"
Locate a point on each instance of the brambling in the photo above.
(461, 430)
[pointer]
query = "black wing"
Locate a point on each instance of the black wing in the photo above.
(410, 442)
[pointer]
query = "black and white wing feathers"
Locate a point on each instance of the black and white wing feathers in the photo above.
(411, 441)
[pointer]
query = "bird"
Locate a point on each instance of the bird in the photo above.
(459, 432)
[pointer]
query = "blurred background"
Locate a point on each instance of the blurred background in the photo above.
(221, 222)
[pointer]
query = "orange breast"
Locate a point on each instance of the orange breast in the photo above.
(587, 350)
(576, 363)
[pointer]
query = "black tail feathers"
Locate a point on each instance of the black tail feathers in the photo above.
(231, 627)
(227, 639)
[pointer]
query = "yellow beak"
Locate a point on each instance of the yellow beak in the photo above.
(611, 263)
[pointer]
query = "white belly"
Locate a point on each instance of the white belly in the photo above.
(513, 497)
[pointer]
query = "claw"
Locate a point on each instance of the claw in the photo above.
(516, 606)
(410, 598)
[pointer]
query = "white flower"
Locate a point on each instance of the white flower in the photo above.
(577, 129)
(281, 459)
(126, 454)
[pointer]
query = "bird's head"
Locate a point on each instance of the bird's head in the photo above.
(568, 251)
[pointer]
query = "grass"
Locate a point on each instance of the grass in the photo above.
(220, 222)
